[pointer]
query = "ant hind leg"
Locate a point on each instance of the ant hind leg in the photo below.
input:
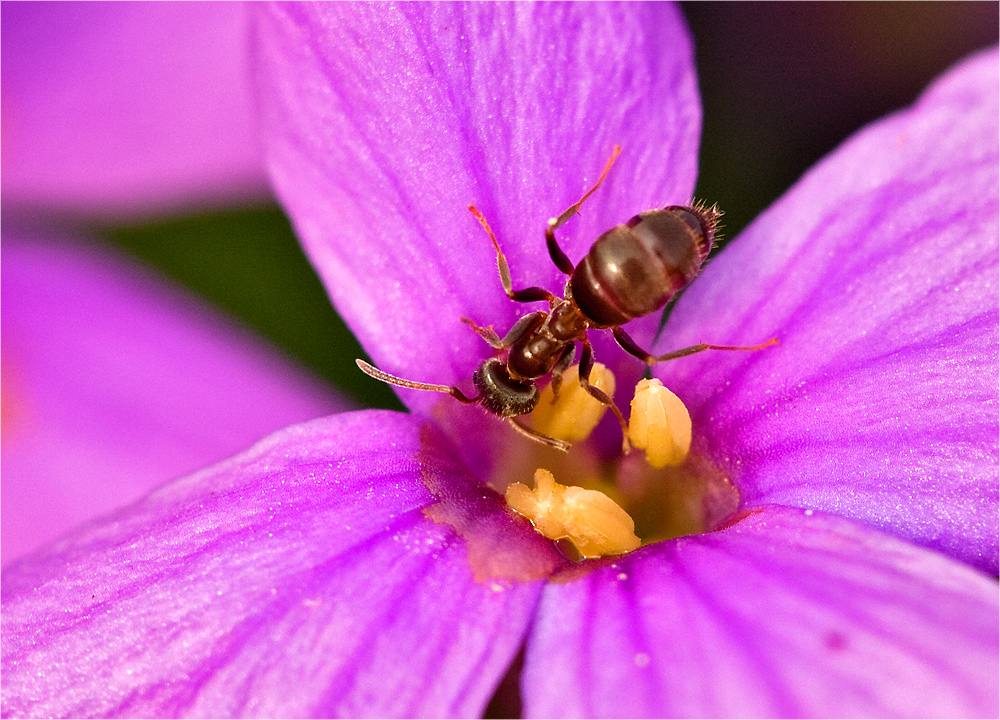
(560, 258)
(531, 294)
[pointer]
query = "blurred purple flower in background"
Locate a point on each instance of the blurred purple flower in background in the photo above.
(114, 381)
(360, 565)
(186, 137)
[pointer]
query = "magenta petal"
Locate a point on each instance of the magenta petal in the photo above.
(118, 108)
(383, 122)
(785, 614)
(878, 274)
(114, 382)
(299, 579)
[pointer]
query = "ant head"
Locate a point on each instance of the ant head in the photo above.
(500, 393)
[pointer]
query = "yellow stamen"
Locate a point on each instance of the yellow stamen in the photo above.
(591, 520)
(574, 414)
(659, 424)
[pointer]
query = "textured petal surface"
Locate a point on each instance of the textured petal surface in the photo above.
(114, 382)
(784, 614)
(383, 122)
(878, 273)
(301, 578)
(118, 108)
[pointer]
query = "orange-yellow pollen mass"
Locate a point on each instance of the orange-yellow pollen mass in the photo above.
(591, 520)
(574, 414)
(659, 424)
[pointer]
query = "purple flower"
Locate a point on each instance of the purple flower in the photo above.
(114, 110)
(113, 381)
(361, 565)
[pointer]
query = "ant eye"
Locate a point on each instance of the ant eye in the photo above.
(659, 424)
(574, 413)
(591, 520)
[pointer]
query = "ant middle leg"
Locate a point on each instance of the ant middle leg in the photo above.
(632, 348)
(560, 258)
(531, 294)
(586, 365)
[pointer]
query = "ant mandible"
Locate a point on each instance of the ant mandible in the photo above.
(631, 271)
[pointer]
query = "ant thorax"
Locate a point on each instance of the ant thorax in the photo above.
(567, 322)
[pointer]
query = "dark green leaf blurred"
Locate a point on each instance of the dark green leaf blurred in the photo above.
(249, 263)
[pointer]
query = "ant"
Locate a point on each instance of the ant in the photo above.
(631, 271)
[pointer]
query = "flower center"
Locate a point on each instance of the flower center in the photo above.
(655, 490)
(688, 499)
(595, 500)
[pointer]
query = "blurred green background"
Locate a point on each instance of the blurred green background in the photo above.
(782, 85)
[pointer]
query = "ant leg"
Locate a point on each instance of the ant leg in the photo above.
(400, 382)
(538, 437)
(523, 326)
(632, 348)
(528, 323)
(530, 294)
(562, 364)
(486, 333)
(555, 252)
(586, 365)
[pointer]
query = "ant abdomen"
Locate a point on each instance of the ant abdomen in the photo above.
(634, 269)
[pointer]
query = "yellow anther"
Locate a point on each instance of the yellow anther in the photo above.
(574, 414)
(660, 424)
(591, 520)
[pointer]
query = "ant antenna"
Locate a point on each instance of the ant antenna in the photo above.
(385, 377)
(527, 432)
(538, 437)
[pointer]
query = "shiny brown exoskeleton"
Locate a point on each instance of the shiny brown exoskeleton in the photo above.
(631, 271)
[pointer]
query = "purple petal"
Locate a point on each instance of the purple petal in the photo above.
(301, 578)
(383, 122)
(119, 108)
(787, 613)
(114, 382)
(878, 273)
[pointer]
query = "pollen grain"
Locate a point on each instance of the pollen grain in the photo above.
(592, 521)
(659, 424)
(574, 413)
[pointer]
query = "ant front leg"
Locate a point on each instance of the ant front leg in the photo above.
(526, 324)
(531, 294)
(632, 348)
(560, 258)
(486, 333)
(562, 364)
(586, 365)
